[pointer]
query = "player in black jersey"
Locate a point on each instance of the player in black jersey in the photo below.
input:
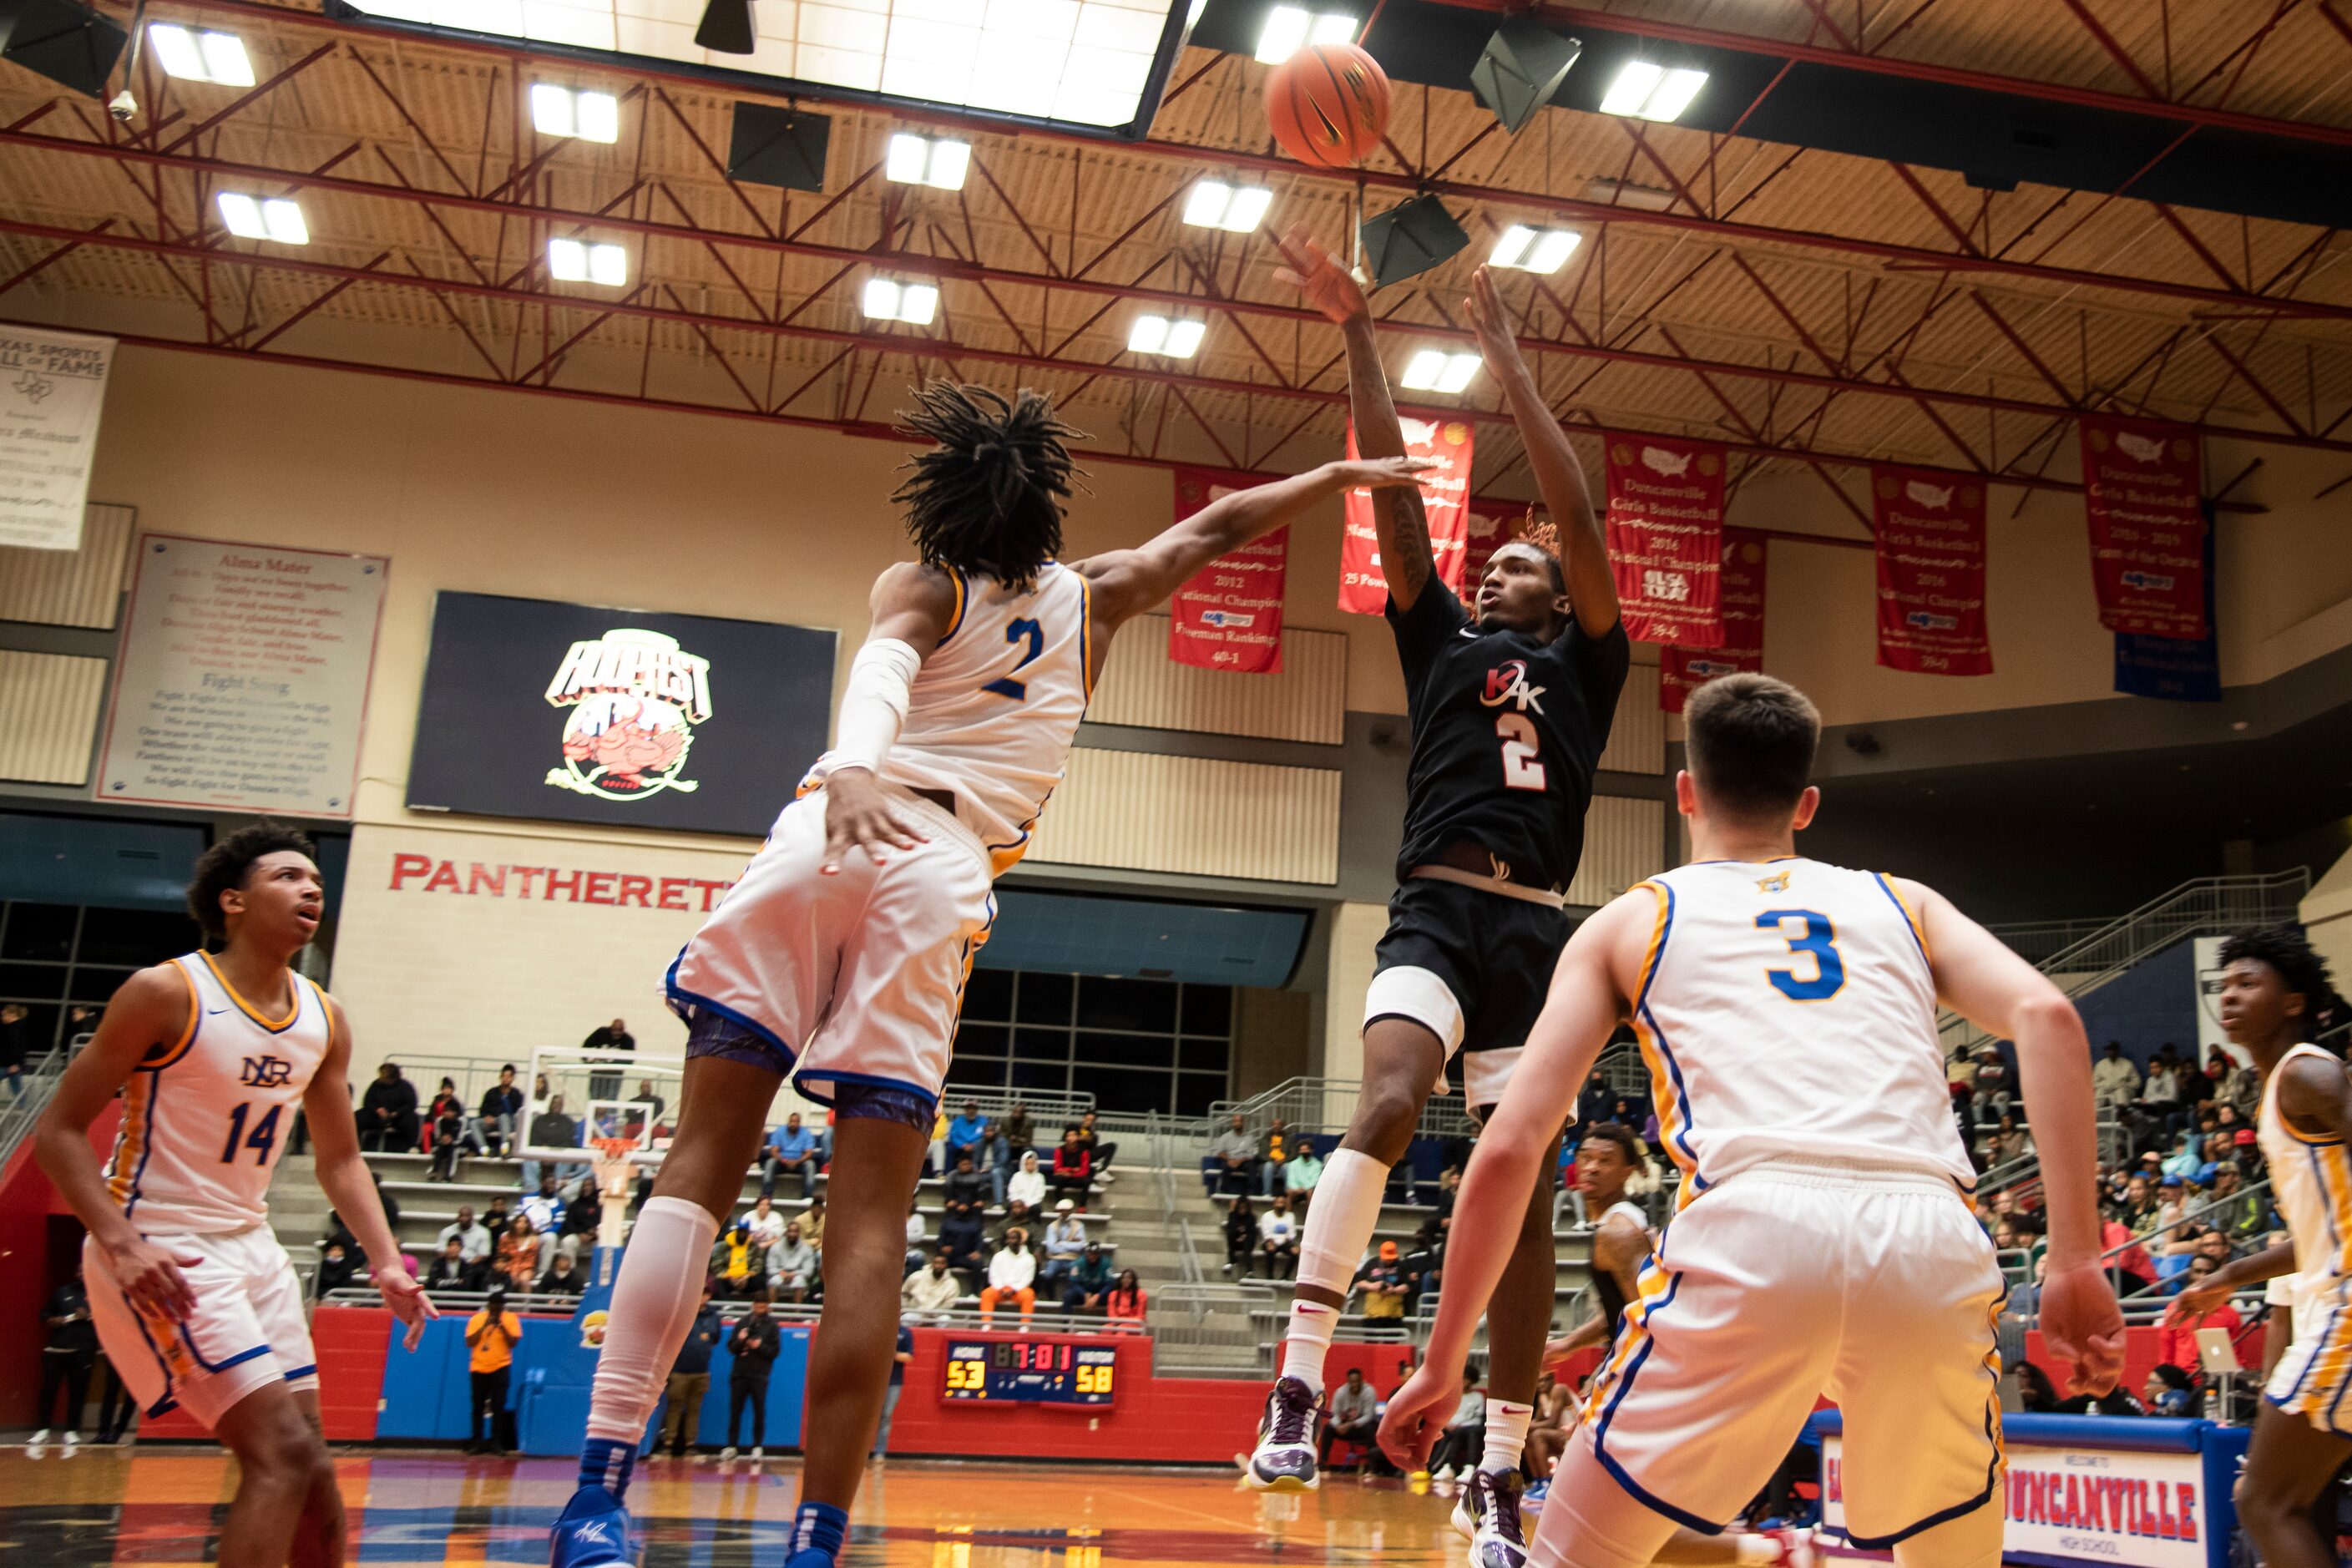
(1511, 706)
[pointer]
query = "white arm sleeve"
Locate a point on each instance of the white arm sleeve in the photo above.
(875, 705)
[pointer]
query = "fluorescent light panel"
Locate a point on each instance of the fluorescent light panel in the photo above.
(1439, 370)
(1236, 209)
(1159, 335)
(273, 218)
(1290, 28)
(194, 55)
(1535, 250)
(579, 261)
(1079, 61)
(1643, 90)
(888, 300)
(563, 111)
(940, 162)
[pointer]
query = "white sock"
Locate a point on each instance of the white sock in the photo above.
(1308, 1342)
(654, 1304)
(1507, 1435)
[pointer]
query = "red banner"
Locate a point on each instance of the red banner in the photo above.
(2141, 487)
(1665, 538)
(1228, 616)
(1444, 496)
(1931, 571)
(1491, 525)
(1682, 671)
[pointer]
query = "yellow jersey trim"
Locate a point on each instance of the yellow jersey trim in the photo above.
(962, 600)
(275, 1026)
(179, 1047)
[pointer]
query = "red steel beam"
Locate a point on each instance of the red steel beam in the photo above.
(2115, 50)
(952, 269)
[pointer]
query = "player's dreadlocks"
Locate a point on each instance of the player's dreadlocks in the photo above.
(1544, 536)
(988, 496)
(2300, 968)
(224, 865)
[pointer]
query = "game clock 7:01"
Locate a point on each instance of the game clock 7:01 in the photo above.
(1034, 1371)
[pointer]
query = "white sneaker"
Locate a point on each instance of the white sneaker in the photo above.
(73, 1439)
(727, 1453)
(37, 1438)
(1488, 1516)
(758, 1455)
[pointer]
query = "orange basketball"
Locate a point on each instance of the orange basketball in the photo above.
(1328, 104)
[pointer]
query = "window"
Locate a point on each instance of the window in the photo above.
(57, 960)
(1134, 1045)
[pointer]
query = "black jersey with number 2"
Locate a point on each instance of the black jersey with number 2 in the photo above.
(1506, 732)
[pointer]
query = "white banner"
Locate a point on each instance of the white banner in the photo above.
(2098, 1505)
(2209, 1037)
(52, 390)
(243, 676)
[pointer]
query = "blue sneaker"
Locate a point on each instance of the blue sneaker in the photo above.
(1532, 1499)
(593, 1532)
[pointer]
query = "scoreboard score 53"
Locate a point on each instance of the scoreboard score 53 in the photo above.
(1031, 1369)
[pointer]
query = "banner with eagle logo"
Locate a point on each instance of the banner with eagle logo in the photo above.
(2142, 483)
(1445, 502)
(1682, 671)
(1228, 614)
(1665, 538)
(1931, 571)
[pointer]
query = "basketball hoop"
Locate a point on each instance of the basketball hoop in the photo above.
(616, 1172)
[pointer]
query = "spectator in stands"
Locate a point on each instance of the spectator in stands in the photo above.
(1126, 1302)
(2176, 1343)
(1354, 1416)
(1090, 1135)
(960, 1236)
(753, 1344)
(452, 1271)
(968, 1135)
(1234, 1159)
(2171, 1391)
(605, 1083)
(813, 1222)
(1547, 1430)
(1065, 1243)
(1300, 1174)
(473, 1238)
(2114, 1079)
(67, 1360)
(1274, 1146)
(1241, 1236)
(1072, 1175)
(735, 1262)
(1090, 1282)
(1277, 1239)
(1018, 1134)
(902, 1356)
(932, 1290)
(1424, 1265)
(15, 1047)
(2242, 1092)
(916, 1234)
(2008, 1143)
(583, 1216)
(444, 1132)
(1458, 1447)
(561, 1279)
(689, 1380)
(1020, 1216)
(791, 1266)
(491, 1335)
(966, 1185)
(791, 1147)
(1594, 1100)
(501, 1114)
(519, 1253)
(1449, 1190)
(2131, 1267)
(2239, 1215)
(1011, 1276)
(552, 1129)
(544, 1209)
(444, 1099)
(1993, 1089)
(1383, 1286)
(1027, 1185)
(335, 1271)
(646, 1101)
(767, 1225)
(2139, 1209)
(2159, 1093)
(388, 1113)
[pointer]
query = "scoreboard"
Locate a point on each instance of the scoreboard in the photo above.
(1033, 1369)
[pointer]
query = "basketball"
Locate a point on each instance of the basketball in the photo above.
(1328, 104)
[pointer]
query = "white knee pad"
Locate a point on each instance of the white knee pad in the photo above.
(1340, 1222)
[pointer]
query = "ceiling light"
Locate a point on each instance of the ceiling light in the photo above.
(576, 261)
(276, 219)
(1439, 370)
(1648, 91)
(201, 56)
(887, 299)
(560, 112)
(937, 162)
(1535, 250)
(1184, 338)
(1236, 209)
(1159, 335)
(1290, 28)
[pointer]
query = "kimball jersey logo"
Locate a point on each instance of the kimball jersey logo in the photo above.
(635, 698)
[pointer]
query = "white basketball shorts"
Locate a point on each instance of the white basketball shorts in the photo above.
(2315, 1373)
(248, 1327)
(853, 978)
(1792, 1280)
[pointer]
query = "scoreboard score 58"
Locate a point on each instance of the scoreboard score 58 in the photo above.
(1031, 1369)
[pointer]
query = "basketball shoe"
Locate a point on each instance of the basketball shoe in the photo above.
(1283, 1460)
(1488, 1512)
(593, 1532)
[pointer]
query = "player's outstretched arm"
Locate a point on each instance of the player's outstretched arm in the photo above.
(1127, 582)
(1559, 478)
(1991, 986)
(1587, 997)
(343, 1177)
(913, 606)
(152, 1008)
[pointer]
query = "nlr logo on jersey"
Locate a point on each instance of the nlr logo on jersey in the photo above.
(267, 1072)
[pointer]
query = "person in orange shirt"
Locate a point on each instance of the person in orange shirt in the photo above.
(1126, 1299)
(492, 1334)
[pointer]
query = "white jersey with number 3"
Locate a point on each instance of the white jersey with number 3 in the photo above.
(1787, 1010)
(996, 704)
(205, 1117)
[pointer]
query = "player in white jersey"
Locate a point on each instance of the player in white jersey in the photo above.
(840, 956)
(1787, 1009)
(2274, 991)
(215, 1055)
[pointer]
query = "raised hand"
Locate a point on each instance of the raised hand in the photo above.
(1500, 349)
(1316, 273)
(1382, 473)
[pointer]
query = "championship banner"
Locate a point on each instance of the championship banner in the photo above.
(1931, 571)
(2174, 669)
(1665, 538)
(52, 390)
(1444, 500)
(2142, 482)
(1228, 616)
(1682, 671)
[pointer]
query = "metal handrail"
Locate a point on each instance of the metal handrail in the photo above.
(35, 1090)
(451, 1303)
(1324, 1106)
